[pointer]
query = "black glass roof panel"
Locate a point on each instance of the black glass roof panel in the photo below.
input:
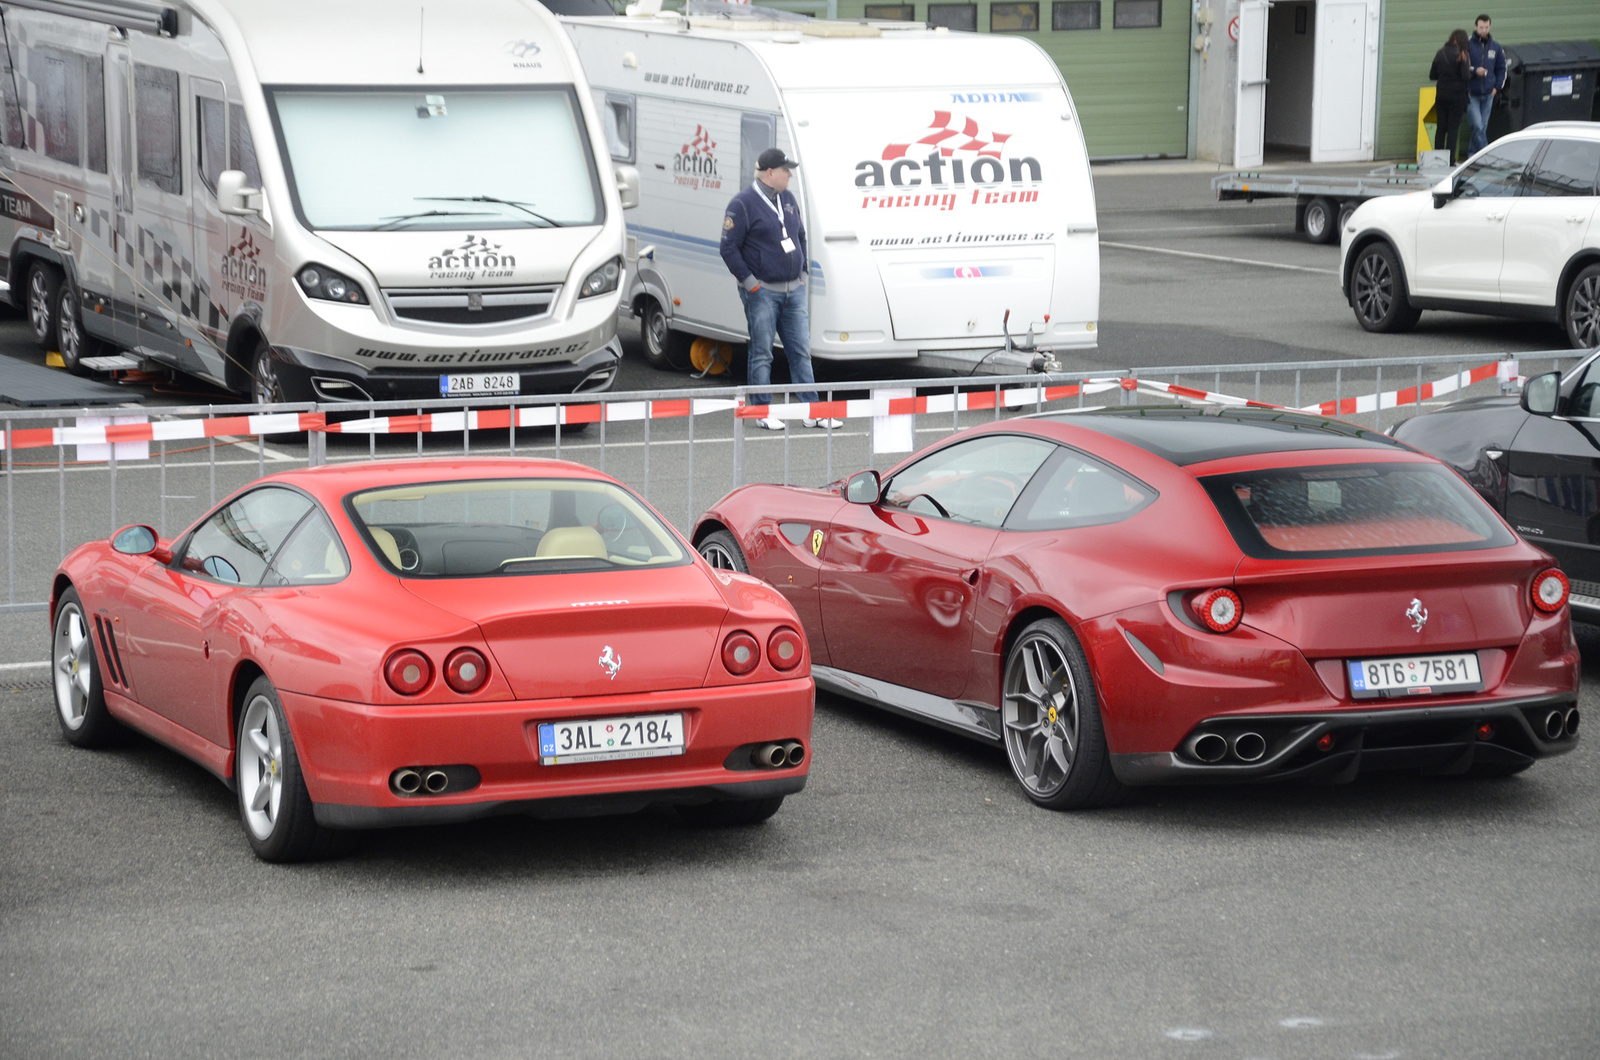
(1195, 435)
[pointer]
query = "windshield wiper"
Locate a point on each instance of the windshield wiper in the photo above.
(400, 219)
(524, 207)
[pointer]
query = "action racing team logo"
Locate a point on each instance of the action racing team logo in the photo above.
(476, 258)
(696, 164)
(961, 154)
(243, 275)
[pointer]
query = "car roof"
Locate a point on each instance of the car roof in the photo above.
(1185, 436)
(330, 482)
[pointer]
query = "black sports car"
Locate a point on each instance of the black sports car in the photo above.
(1536, 458)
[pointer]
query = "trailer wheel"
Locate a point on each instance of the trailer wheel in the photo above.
(1378, 291)
(664, 348)
(1320, 220)
(44, 303)
(1345, 210)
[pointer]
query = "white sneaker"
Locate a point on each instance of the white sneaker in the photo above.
(835, 424)
(772, 423)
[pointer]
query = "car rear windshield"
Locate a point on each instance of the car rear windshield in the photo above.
(511, 527)
(1354, 510)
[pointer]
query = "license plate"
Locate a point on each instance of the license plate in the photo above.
(1415, 675)
(563, 743)
(480, 383)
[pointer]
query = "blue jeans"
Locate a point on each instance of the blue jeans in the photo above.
(782, 314)
(1478, 108)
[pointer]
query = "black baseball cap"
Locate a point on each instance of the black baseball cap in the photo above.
(772, 158)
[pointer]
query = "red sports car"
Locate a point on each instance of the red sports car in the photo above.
(1151, 595)
(416, 642)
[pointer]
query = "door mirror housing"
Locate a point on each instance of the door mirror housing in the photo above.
(233, 198)
(1541, 394)
(140, 540)
(627, 186)
(1444, 191)
(864, 488)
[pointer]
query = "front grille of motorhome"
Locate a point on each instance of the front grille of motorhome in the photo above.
(471, 305)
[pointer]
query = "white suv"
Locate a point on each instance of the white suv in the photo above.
(1512, 232)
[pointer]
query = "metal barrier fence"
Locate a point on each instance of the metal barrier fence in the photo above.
(74, 475)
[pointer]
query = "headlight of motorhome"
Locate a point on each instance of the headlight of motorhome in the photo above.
(603, 280)
(320, 282)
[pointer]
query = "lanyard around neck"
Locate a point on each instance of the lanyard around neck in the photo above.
(773, 206)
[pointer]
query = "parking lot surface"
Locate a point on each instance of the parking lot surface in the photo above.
(909, 902)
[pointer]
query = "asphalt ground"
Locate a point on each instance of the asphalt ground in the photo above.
(909, 902)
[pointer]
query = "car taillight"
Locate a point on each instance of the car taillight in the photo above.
(1219, 609)
(1550, 590)
(740, 653)
(408, 671)
(784, 648)
(465, 670)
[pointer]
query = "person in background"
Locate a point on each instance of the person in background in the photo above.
(1452, 69)
(764, 246)
(1489, 77)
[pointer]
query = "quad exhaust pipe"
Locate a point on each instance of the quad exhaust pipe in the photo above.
(784, 754)
(1211, 747)
(1249, 747)
(1555, 725)
(1208, 747)
(436, 781)
(407, 781)
(424, 780)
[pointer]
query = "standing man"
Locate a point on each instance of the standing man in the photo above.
(764, 246)
(1488, 78)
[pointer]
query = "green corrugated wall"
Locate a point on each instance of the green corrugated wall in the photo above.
(1131, 86)
(1414, 29)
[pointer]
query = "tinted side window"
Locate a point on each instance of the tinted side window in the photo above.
(1569, 167)
(241, 148)
(1497, 174)
(244, 535)
(1076, 490)
(211, 139)
(158, 127)
(94, 119)
(976, 481)
(59, 78)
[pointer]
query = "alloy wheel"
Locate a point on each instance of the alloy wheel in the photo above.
(260, 769)
(266, 388)
(718, 556)
(1041, 715)
(1374, 288)
(39, 304)
(1583, 314)
(73, 665)
(70, 331)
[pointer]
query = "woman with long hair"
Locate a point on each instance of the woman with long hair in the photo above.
(1452, 69)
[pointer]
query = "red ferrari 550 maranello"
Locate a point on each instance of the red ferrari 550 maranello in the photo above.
(1149, 595)
(417, 642)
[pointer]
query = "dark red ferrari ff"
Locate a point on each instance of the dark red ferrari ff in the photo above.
(1152, 595)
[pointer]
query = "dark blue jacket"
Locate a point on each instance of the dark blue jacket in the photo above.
(1492, 57)
(752, 238)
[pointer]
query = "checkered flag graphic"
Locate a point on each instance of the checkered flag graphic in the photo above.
(950, 132)
(702, 144)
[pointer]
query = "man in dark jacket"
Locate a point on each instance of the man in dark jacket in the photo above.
(764, 246)
(1489, 77)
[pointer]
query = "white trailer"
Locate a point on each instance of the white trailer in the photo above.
(943, 178)
(306, 200)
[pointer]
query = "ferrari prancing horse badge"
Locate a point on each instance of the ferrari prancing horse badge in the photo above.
(816, 542)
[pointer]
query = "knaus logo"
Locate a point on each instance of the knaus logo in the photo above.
(961, 153)
(476, 257)
(522, 53)
(243, 275)
(696, 164)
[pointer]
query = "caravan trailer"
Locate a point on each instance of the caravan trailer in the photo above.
(943, 176)
(301, 200)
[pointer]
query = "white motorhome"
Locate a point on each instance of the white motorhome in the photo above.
(305, 200)
(943, 177)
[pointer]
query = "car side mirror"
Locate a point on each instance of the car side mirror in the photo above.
(233, 198)
(864, 488)
(627, 186)
(140, 540)
(1444, 191)
(1541, 394)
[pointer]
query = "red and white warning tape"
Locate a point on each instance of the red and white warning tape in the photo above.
(622, 411)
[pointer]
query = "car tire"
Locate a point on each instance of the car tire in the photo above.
(1321, 220)
(721, 551)
(1050, 712)
(664, 348)
(73, 341)
(1345, 211)
(274, 805)
(266, 386)
(44, 303)
(1581, 313)
(1378, 291)
(730, 813)
(75, 672)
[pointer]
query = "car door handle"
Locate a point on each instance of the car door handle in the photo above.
(1497, 217)
(1576, 219)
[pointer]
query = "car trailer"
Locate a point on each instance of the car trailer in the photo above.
(1324, 202)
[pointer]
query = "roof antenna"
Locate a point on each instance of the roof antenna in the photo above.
(422, 13)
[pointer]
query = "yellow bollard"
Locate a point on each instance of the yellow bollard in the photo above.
(1427, 118)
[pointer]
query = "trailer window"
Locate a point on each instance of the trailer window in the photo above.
(446, 159)
(94, 118)
(617, 116)
(211, 138)
(59, 79)
(158, 128)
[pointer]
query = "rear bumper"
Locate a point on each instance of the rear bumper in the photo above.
(1441, 739)
(349, 752)
(309, 376)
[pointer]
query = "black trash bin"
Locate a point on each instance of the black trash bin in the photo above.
(1552, 81)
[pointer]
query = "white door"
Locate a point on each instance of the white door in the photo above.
(1461, 245)
(1549, 222)
(1250, 116)
(1344, 98)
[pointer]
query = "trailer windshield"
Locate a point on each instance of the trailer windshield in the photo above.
(403, 159)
